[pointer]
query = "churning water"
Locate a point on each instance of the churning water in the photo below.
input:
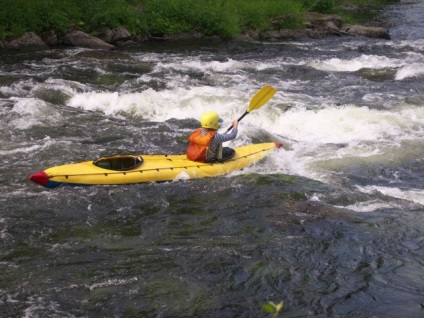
(333, 225)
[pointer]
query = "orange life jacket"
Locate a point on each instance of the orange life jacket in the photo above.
(200, 139)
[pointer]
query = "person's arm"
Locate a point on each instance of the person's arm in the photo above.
(231, 135)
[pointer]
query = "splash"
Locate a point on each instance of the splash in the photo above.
(413, 70)
(152, 105)
(413, 195)
(355, 64)
(29, 112)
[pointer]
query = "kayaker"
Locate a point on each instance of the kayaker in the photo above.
(205, 142)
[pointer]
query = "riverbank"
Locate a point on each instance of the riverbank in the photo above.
(290, 23)
(317, 26)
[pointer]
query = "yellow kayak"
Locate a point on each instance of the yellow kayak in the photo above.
(127, 169)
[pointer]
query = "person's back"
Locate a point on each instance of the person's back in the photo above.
(206, 144)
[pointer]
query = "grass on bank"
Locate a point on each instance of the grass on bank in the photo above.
(225, 18)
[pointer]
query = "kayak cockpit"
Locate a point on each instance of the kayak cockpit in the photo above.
(119, 162)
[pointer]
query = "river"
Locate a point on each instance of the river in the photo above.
(332, 225)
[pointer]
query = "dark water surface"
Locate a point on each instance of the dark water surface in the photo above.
(333, 225)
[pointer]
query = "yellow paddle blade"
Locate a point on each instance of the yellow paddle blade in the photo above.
(261, 97)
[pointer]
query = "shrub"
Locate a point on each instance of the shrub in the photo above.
(96, 14)
(225, 18)
(19, 16)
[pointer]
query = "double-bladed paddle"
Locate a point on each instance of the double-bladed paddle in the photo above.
(257, 101)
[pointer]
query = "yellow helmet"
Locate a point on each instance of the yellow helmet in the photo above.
(210, 120)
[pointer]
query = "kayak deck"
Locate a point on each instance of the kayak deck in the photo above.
(153, 168)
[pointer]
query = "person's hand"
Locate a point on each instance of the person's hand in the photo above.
(235, 123)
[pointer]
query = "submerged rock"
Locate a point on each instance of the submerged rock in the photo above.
(378, 75)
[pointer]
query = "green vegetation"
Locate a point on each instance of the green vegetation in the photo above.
(226, 18)
(273, 308)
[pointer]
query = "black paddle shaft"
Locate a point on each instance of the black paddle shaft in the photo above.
(241, 117)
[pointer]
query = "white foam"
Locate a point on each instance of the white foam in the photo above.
(27, 149)
(20, 150)
(31, 112)
(411, 65)
(412, 70)
(65, 86)
(113, 282)
(417, 45)
(228, 66)
(160, 106)
(355, 64)
(370, 206)
(335, 124)
(330, 124)
(17, 88)
(9, 298)
(413, 195)
(40, 307)
(182, 176)
(215, 66)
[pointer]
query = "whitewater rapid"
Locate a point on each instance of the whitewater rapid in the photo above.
(322, 136)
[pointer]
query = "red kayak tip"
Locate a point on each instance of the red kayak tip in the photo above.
(278, 145)
(40, 177)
